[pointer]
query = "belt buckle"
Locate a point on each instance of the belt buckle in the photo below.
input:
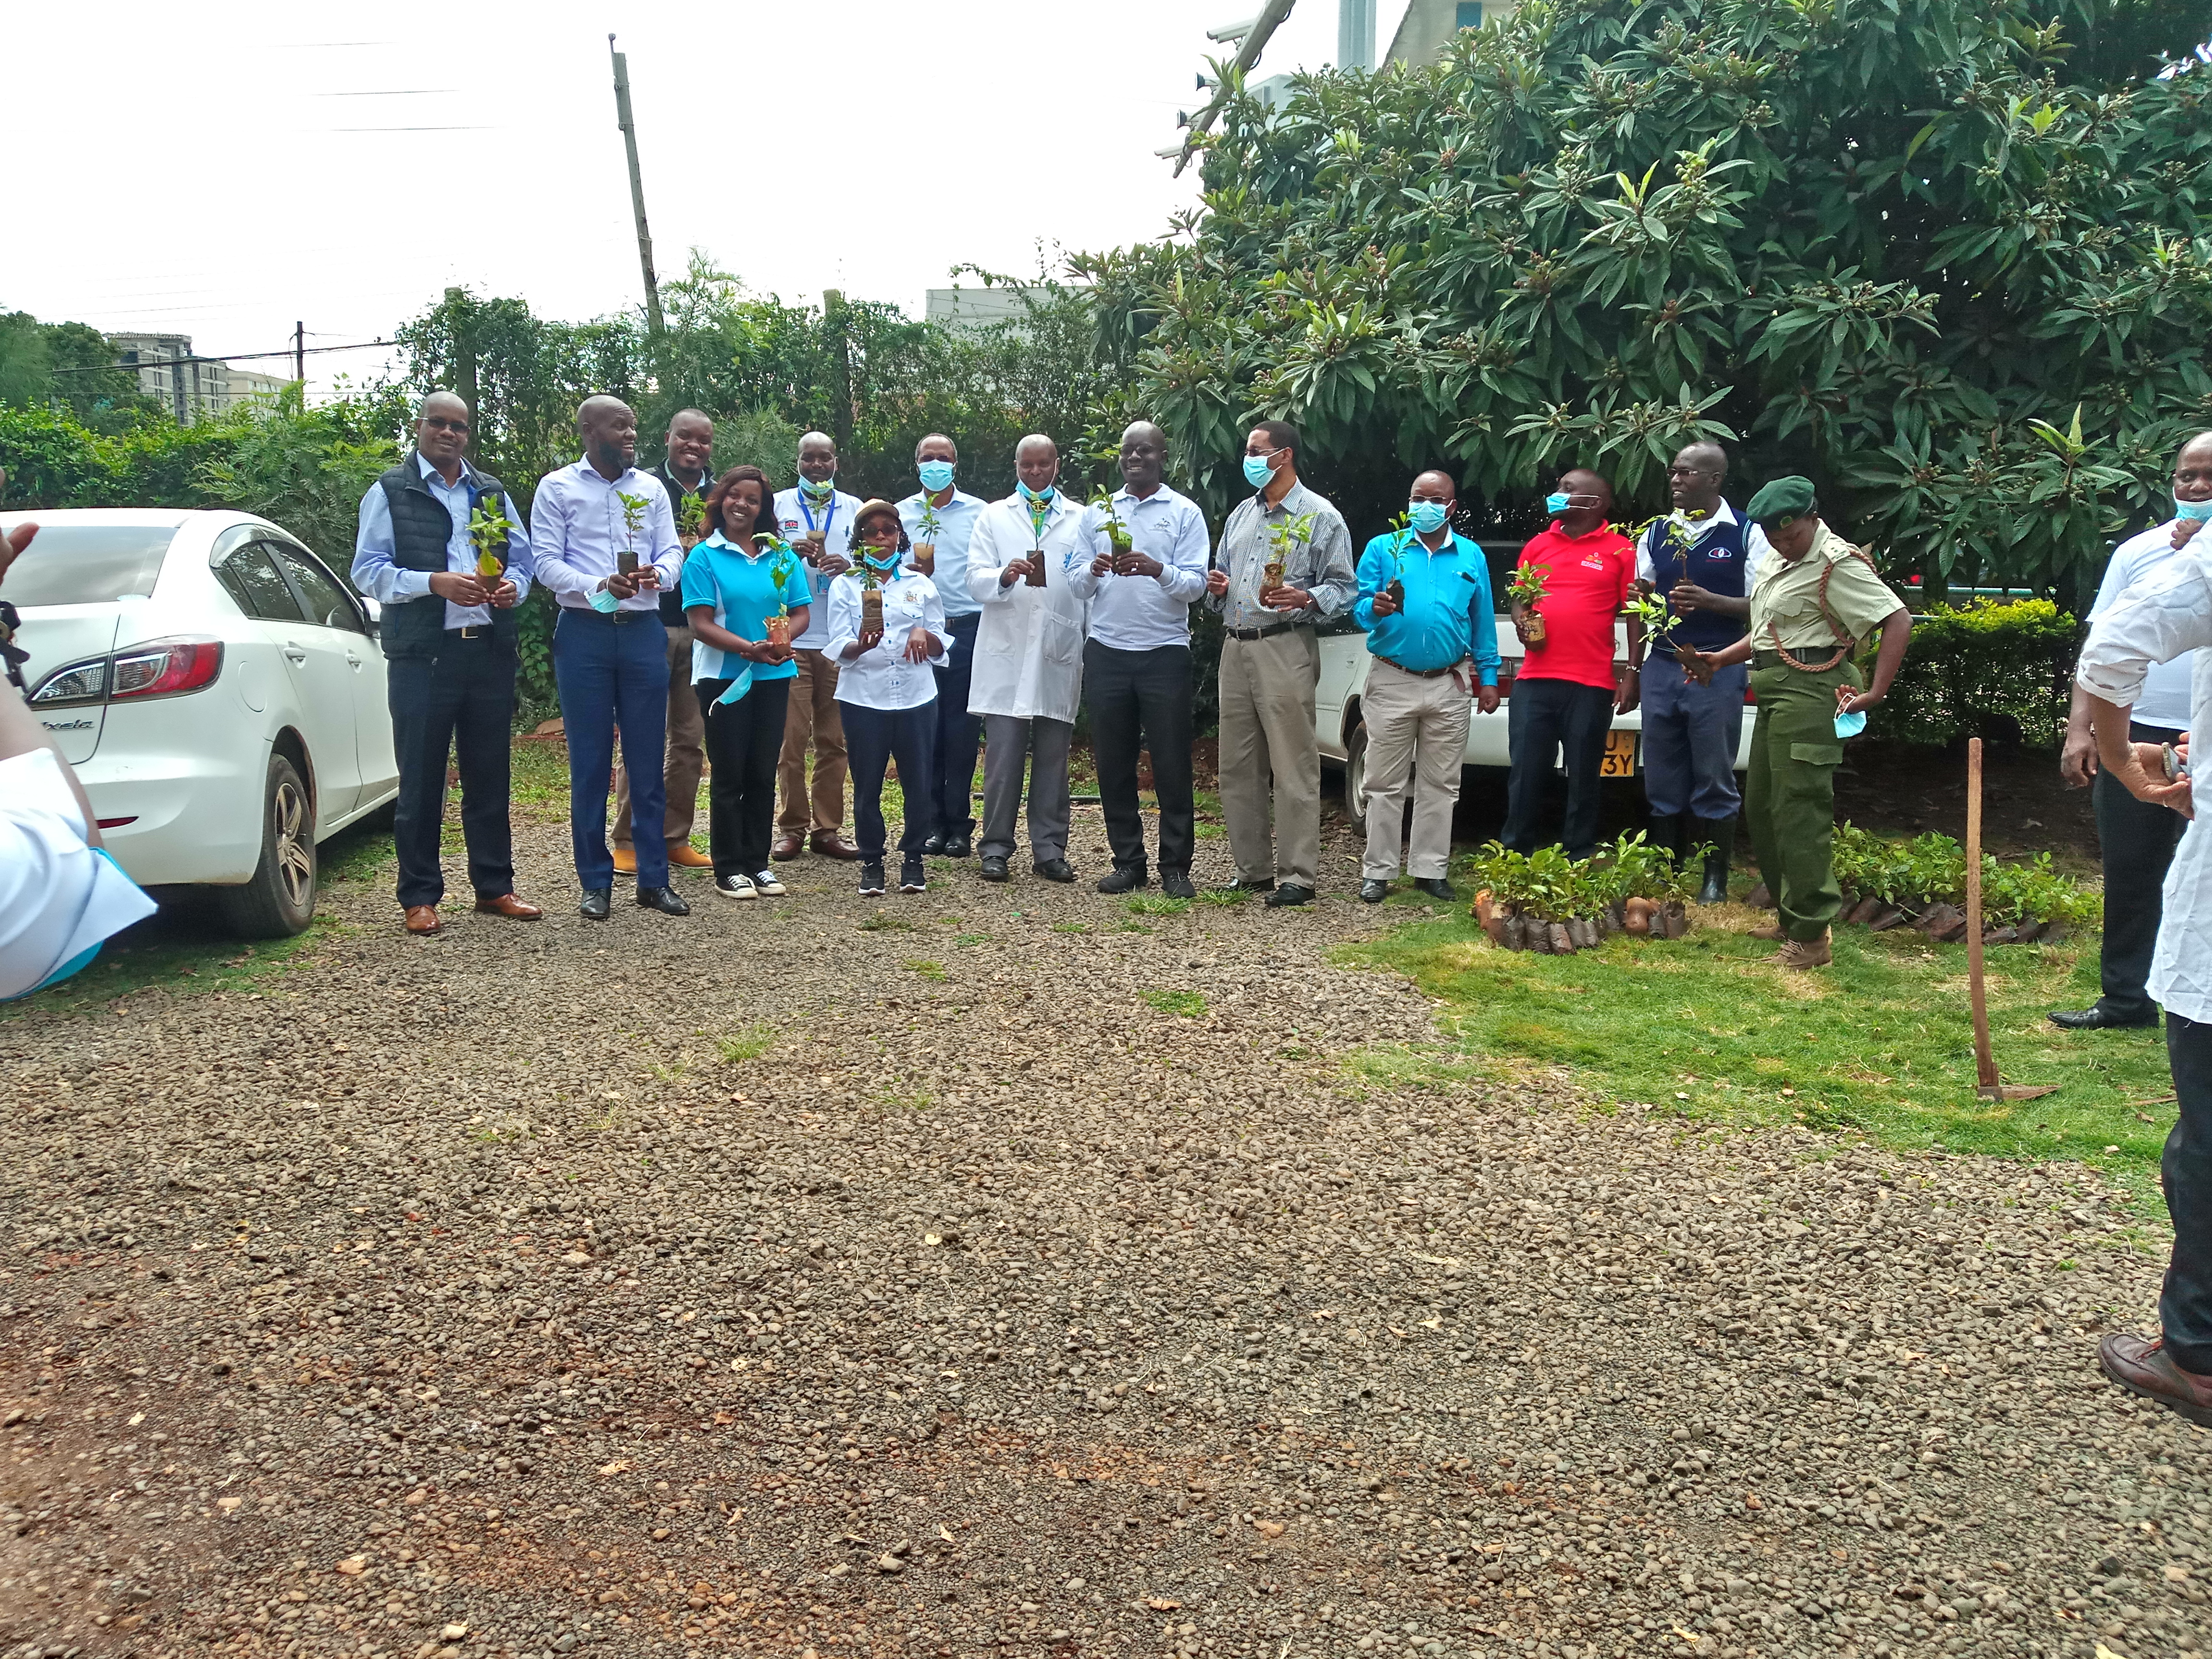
(475, 630)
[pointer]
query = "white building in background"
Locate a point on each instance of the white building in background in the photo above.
(977, 307)
(190, 386)
(1428, 26)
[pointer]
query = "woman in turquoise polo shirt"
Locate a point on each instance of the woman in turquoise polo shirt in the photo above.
(736, 579)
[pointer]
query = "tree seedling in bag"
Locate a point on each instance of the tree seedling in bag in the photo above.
(691, 521)
(488, 530)
(633, 509)
(1525, 587)
(923, 552)
(1282, 538)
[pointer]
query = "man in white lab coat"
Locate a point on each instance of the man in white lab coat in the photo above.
(1029, 657)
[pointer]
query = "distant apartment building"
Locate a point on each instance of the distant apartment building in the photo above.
(189, 387)
(1428, 26)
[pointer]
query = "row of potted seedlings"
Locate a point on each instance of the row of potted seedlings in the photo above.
(1922, 884)
(1546, 901)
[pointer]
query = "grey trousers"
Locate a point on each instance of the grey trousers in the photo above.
(1416, 741)
(1268, 731)
(1008, 742)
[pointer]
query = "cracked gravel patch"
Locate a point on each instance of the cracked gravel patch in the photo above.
(778, 1280)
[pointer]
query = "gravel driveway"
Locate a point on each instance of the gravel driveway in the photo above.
(895, 1279)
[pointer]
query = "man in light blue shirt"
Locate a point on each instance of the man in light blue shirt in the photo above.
(2136, 839)
(448, 637)
(1136, 660)
(942, 519)
(1432, 641)
(610, 650)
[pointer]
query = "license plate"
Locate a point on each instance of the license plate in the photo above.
(1619, 756)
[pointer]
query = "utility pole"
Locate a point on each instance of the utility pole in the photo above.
(636, 187)
(300, 359)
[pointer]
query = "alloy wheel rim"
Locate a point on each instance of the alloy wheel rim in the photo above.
(296, 865)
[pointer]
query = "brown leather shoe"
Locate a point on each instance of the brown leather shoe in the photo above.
(424, 919)
(1805, 952)
(684, 856)
(2141, 1366)
(505, 904)
(625, 859)
(789, 844)
(831, 845)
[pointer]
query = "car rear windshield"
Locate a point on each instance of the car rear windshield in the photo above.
(89, 563)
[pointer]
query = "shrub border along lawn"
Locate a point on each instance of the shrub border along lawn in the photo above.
(1879, 1044)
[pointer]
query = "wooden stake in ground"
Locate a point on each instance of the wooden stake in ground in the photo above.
(1989, 1085)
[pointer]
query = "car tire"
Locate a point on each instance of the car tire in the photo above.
(1355, 777)
(279, 901)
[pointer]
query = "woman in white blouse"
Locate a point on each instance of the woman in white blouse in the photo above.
(886, 689)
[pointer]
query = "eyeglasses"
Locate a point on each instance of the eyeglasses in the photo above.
(439, 423)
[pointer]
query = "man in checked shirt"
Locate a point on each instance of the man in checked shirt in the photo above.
(1270, 661)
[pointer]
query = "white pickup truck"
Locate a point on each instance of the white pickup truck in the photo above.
(1343, 736)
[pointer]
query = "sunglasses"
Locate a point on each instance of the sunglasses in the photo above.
(439, 423)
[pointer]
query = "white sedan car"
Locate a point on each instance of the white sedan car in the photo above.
(219, 690)
(1343, 736)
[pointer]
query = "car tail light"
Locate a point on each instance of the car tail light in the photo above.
(117, 823)
(165, 668)
(80, 681)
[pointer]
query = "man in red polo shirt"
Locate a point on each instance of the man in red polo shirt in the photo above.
(1566, 694)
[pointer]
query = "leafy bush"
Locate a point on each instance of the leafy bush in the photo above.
(1914, 250)
(1995, 668)
(1551, 886)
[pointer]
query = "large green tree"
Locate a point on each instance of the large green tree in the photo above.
(1893, 244)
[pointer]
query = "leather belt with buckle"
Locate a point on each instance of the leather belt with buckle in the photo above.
(474, 630)
(1419, 673)
(1247, 634)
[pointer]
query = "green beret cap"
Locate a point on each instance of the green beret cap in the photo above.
(1785, 498)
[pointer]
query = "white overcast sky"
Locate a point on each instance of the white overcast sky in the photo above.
(223, 169)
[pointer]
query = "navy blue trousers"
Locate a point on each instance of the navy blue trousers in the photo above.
(1690, 736)
(959, 732)
(2185, 1305)
(611, 673)
(460, 698)
(873, 738)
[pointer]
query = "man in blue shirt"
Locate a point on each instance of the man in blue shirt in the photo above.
(942, 519)
(1432, 634)
(1701, 559)
(449, 647)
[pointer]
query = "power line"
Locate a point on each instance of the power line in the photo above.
(234, 357)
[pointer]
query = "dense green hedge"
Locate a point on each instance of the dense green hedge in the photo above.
(1993, 668)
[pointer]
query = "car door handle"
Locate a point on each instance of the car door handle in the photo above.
(352, 661)
(294, 653)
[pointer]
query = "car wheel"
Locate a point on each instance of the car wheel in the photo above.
(280, 899)
(1355, 777)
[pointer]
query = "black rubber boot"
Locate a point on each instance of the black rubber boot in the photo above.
(1666, 834)
(1721, 834)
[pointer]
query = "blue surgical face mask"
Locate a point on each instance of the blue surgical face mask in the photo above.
(1427, 517)
(888, 562)
(934, 475)
(821, 491)
(2195, 512)
(1040, 496)
(1258, 470)
(1557, 501)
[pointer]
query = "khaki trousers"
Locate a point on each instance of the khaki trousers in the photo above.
(686, 761)
(1416, 741)
(1266, 689)
(812, 722)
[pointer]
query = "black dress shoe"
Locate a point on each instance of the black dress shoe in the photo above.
(2100, 1019)
(1241, 885)
(1176, 883)
(1436, 887)
(1123, 878)
(1288, 894)
(995, 867)
(1374, 892)
(934, 845)
(594, 906)
(663, 899)
(1055, 869)
(958, 846)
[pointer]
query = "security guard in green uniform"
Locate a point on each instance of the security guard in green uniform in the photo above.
(1811, 605)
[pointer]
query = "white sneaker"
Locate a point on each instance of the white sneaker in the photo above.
(735, 887)
(766, 884)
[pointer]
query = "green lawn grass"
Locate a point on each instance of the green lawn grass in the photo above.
(1880, 1042)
